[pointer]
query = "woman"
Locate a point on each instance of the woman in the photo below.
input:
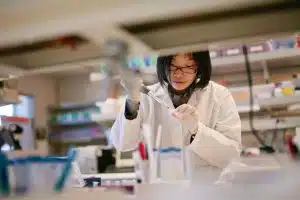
(204, 115)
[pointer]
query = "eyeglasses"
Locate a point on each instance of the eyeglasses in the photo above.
(184, 70)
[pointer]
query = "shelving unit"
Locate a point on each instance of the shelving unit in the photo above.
(279, 101)
(267, 108)
(263, 124)
(73, 125)
(273, 64)
(82, 141)
(270, 111)
(256, 57)
(269, 103)
(90, 121)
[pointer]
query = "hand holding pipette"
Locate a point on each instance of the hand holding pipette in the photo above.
(146, 91)
(132, 83)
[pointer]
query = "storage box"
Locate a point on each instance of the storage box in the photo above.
(284, 43)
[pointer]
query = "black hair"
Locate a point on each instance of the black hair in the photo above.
(202, 60)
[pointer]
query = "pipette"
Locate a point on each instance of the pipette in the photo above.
(147, 92)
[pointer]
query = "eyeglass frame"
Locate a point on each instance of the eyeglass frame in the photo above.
(181, 69)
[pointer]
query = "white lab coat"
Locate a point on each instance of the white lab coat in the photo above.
(217, 141)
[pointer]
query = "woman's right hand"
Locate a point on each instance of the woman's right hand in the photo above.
(132, 83)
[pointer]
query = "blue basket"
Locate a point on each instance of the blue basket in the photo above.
(31, 174)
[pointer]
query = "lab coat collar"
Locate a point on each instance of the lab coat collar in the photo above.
(162, 93)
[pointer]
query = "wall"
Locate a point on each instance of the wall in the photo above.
(44, 90)
(78, 89)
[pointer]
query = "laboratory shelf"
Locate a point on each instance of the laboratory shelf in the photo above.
(286, 113)
(268, 103)
(263, 98)
(82, 140)
(262, 124)
(256, 57)
(69, 107)
(246, 108)
(72, 123)
(279, 101)
(76, 126)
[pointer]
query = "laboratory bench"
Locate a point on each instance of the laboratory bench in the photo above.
(265, 182)
(261, 167)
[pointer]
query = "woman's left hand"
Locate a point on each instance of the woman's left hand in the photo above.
(188, 115)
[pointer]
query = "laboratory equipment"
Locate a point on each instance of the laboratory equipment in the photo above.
(9, 137)
(95, 159)
(119, 50)
(164, 163)
(147, 92)
(24, 135)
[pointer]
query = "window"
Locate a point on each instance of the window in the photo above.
(7, 110)
(23, 109)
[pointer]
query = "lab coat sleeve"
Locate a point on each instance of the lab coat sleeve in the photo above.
(219, 146)
(126, 134)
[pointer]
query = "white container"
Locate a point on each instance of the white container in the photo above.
(166, 164)
(171, 165)
(87, 159)
(297, 92)
(264, 95)
(278, 92)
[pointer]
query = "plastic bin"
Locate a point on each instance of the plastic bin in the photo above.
(35, 174)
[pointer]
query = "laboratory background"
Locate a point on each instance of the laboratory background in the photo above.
(60, 92)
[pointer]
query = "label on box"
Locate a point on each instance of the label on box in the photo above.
(232, 52)
(257, 48)
(284, 44)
